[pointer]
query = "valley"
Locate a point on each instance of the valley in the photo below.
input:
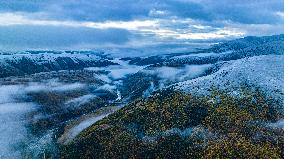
(85, 104)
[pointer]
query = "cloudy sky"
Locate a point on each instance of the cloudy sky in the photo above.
(91, 24)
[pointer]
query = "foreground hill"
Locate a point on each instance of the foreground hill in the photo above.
(178, 125)
(233, 111)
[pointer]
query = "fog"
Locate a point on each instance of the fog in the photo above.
(178, 74)
(13, 105)
(77, 129)
(170, 75)
(12, 127)
(148, 92)
(14, 137)
(278, 124)
(76, 102)
(116, 72)
(52, 85)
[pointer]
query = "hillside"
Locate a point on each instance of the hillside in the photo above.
(232, 110)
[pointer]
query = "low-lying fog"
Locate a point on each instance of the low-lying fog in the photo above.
(12, 118)
(18, 109)
(14, 108)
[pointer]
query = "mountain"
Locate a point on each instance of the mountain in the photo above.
(196, 104)
(248, 43)
(30, 62)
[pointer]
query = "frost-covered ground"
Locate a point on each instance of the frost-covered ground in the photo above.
(47, 57)
(265, 72)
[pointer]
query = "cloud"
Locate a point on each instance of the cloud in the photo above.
(76, 102)
(170, 75)
(117, 72)
(54, 37)
(11, 19)
(131, 23)
(156, 27)
(241, 11)
(70, 134)
(280, 14)
(26, 31)
(277, 124)
(179, 74)
(12, 125)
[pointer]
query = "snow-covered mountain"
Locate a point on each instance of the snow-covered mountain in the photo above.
(264, 72)
(30, 62)
(55, 97)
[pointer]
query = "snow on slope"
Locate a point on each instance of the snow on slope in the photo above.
(265, 72)
(46, 57)
(25, 63)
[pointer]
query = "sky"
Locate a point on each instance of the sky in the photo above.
(154, 24)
